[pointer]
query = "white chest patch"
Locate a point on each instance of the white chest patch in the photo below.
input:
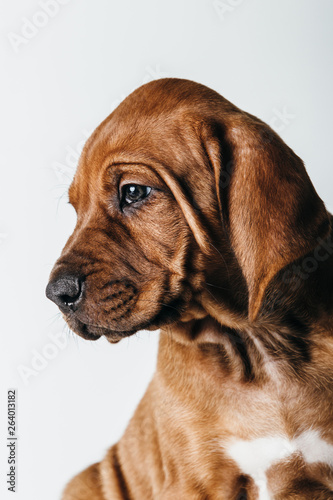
(255, 457)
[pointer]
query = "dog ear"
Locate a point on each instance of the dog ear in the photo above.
(268, 204)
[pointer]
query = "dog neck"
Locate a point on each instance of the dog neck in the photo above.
(294, 330)
(230, 381)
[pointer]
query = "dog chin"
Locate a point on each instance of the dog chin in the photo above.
(166, 316)
(95, 332)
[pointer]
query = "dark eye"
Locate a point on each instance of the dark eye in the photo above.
(131, 193)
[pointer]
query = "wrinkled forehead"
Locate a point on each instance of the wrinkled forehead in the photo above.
(152, 116)
(159, 123)
(166, 139)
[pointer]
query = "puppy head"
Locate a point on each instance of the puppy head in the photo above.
(177, 190)
(132, 261)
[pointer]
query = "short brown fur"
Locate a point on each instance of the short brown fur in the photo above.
(218, 256)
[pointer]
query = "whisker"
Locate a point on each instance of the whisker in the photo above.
(53, 319)
(60, 198)
(210, 293)
(211, 244)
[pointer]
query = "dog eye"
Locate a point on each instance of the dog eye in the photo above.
(131, 193)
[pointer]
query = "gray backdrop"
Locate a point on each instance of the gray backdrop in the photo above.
(65, 65)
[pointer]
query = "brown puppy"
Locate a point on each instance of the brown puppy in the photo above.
(194, 217)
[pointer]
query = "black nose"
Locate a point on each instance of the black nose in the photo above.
(65, 291)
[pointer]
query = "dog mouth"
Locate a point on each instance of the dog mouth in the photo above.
(94, 332)
(168, 314)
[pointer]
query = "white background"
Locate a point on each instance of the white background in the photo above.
(268, 57)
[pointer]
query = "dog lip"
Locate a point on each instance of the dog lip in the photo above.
(86, 331)
(168, 314)
(80, 328)
(86, 334)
